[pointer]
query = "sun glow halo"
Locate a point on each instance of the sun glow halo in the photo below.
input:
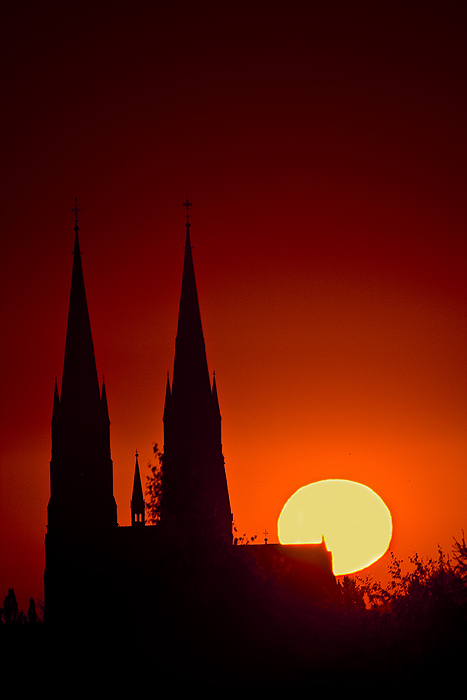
(355, 522)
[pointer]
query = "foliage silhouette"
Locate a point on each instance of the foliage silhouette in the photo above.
(10, 614)
(419, 620)
(32, 614)
(460, 557)
(153, 489)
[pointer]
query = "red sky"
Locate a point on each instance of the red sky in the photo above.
(323, 146)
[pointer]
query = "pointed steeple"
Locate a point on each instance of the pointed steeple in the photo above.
(195, 499)
(80, 385)
(190, 375)
(81, 470)
(137, 505)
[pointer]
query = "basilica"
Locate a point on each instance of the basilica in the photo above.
(94, 564)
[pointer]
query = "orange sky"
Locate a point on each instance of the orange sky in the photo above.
(324, 153)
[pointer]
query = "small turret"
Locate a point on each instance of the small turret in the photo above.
(137, 505)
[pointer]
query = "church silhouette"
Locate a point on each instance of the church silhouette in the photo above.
(91, 563)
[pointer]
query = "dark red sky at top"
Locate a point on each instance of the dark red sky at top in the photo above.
(323, 146)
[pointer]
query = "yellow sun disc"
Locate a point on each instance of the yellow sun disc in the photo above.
(355, 522)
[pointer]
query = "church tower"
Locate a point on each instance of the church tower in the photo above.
(82, 509)
(195, 505)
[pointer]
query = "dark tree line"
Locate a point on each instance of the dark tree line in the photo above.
(10, 614)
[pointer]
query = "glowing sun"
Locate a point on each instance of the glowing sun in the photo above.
(355, 522)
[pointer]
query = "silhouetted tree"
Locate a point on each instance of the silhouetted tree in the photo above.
(460, 557)
(32, 614)
(10, 610)
(153, 489)
(10, 614)
(418, 621)
(350, 593)
(434, 579)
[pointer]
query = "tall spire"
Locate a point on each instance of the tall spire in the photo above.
(80, 385)
(195, 499)
(81, 472)
(82, 512)
(190, 374)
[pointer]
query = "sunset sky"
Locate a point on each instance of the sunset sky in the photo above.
(324, 149)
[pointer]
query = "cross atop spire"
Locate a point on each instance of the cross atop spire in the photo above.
(187, 204)
(76, 210)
